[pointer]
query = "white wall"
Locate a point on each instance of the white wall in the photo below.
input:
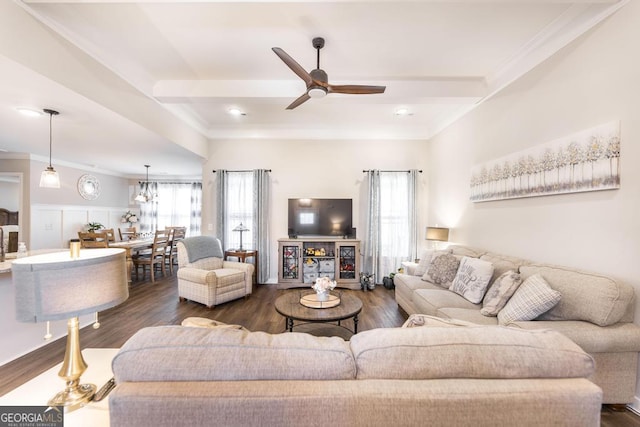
(309, 168)
(58, 214)
(592, 81)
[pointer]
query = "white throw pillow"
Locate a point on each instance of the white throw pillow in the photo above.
(425, 262)
(472, 278)
(499, 293)
(532, 298)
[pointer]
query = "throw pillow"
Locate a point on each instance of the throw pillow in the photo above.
(416, 320)
(532, 298)
(425, 262)
(499, 293)
(472, 278)
(203, 322)
(442, 270)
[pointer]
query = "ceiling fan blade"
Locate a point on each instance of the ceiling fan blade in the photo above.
(355, 89)
(295, 67)
(297, 102)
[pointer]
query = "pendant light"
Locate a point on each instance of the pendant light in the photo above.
(49, 177)
(145, 195)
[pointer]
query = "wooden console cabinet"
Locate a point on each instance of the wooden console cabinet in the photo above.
(301, 261)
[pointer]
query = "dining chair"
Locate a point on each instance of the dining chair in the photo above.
(154, 258)
(127, 233)
(89, 240)
(111, 235)
(177, 234)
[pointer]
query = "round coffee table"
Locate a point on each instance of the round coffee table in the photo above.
(289, 306)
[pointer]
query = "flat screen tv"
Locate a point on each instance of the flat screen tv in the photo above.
(320, 217)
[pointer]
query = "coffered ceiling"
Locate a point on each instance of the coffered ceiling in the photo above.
(153, 81)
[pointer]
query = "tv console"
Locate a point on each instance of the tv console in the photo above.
(302, 260)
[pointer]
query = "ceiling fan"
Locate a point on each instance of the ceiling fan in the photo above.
(317, 80)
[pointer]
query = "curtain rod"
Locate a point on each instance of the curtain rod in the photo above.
(372, 170)
(247, 170)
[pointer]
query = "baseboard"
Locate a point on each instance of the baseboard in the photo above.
(635, 405)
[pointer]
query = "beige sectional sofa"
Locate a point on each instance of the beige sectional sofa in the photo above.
(437, 376)
(594, 311)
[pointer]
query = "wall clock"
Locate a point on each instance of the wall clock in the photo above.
(89, 187)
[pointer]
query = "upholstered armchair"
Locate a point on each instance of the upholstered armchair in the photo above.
(204, 276)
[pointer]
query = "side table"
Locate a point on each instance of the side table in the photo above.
(242, 256)
(37, 391)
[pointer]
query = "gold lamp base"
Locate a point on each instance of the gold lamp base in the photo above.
(75, 395)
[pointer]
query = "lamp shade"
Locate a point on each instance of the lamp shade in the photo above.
(438, 233)
(241, 227)
(49, 178)
(55, 286)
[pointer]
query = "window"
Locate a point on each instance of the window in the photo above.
(239, 209)
(391, 226)
(177, 204)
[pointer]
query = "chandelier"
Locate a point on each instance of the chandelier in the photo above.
(145, 195)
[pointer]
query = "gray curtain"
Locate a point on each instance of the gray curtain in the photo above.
(372, 224)
(261, 184)
(391, 216)
(196, 209)
(149, 211)
(221, 202)
(413, 218)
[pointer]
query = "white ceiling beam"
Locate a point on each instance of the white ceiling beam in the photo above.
(180, 91)
(321, 1)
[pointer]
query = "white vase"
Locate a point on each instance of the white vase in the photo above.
(323, 295)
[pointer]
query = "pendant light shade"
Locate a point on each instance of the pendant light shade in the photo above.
(49, 177)
(145, 195)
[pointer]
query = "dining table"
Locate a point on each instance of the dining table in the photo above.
(131, 246)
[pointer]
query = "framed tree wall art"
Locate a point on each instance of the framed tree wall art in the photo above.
(585, 161)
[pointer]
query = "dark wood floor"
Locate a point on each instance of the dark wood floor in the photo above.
(157, 304)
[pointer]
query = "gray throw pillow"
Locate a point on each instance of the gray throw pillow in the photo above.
(532, 298)
(442, 270)
(499, 293)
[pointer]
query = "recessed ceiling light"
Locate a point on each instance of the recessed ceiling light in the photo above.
(403, 112)
(236, 112)
(29, 111)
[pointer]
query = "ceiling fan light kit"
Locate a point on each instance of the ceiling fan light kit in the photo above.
(317, 80)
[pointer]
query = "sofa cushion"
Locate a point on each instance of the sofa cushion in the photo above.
(502, 263)
(499, 293)
(176, 353)
(428, 301)
(467, 352)
(472, 279)
(586, 296)
(469, 251)
(471, 315)
(211, 263)
(618, 338)
(442, 270)
(532, 298)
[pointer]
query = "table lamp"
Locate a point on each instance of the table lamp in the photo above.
(241, 228)
(55, 286)
(437, 234)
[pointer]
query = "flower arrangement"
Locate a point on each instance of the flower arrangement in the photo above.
(129, 217)
(323, 285)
